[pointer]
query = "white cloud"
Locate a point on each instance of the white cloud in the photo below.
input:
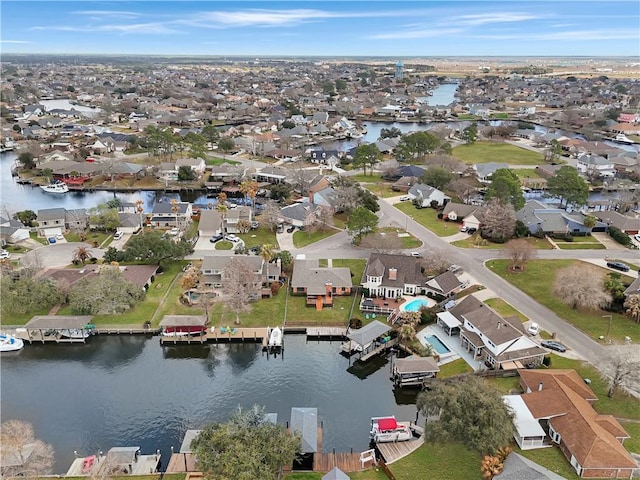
(139, 28)
(496, 17)
(421, 33)
(571, 35)
(108, 13)
(15, 41)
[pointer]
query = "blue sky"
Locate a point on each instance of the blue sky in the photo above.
(325, 28)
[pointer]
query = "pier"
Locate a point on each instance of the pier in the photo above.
(216, 335)
(393, 451)
(326, 333)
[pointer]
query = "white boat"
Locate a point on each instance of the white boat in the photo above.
(622, 138)
(275, 338)
(387, 429)
(9, 343)
(56, 187)
(75, 333)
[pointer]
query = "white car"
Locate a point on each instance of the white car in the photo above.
(232, 238)
(404, 198)
(4, 254)
(118, 235)
(59, 236)
(534, 328)
(637, 237)
(174, 231)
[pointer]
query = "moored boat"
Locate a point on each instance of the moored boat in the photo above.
(275, 338)
(75, 333)
(387, 429)
(9, 343)
(55, 187)
(622, 138)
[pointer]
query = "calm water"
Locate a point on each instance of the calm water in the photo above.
(128, 390)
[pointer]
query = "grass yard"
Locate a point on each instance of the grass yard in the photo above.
(220, 161)
(456, 367)
(485, 152)
(224, 245)
(632, 444)
(259, 236)
(552, 459)
(529, 173)
(506, 385)
(436, 461)
(371, 474)
(368, 178)
(99, 237)
(580, 246)
(382, 190)
(408, 241)
(428, 217)
(537, 281)
(302, 238)
(476, 241)
(34, 236)
(505, 309)
(356, 265)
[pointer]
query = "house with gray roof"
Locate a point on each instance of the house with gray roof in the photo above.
(484, 171)
(320, 284)
(625, 223)
(210, 223)
(392, 276)
(52, 221)
(271, 175)
(301, 214)
(164, 215)
(426, 196)
(265, 272)
(12, 231)
(468, 215)
(541, 217)
(445, 284)
(236, 215)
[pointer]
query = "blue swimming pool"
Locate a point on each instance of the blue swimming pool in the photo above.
(438, 346)
(415, 305)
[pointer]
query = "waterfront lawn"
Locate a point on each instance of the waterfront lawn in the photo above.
(505, 309)
(259, 236)
(538, 280)
(486, 152)
(302, 238)
(452, 461)
(457, 367)
(428, 217)
(368, 178)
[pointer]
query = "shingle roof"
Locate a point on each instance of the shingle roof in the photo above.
(408, 269)
(307, 273)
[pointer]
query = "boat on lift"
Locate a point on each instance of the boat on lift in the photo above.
(275, 338)
(9, 343)
(387, 429)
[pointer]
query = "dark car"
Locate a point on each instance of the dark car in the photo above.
(471, 231)
(280, 228)
(618, 266)
(551, 345)
(215, 238)
(255, 225)
(291, 229)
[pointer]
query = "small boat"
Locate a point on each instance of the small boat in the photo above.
(55, 187)
(387, 429)
(9, 343)
(182, 331)
(622, 138)
(275, 338)
(75, 333)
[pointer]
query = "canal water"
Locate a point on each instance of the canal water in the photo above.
(129, 390)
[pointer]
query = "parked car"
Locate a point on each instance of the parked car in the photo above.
(471, 230)
(534, 328)
(215, 238)
(464, 228)
(637, 237)
(454, 268)
(256, 249)
(51, 239)
(291, 229)
(551, 345)
(174, 231)
(4, 254)
(254, 225)
(232, 238)
(404, 198)
(280, 228)
(416, 254)
(618, 266)
(118, 235)
(59, 236)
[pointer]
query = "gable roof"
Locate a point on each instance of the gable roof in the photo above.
(446, 282)
(408, 269)
(307, 273)
(517, 467)
(460, 209)
(305, 421)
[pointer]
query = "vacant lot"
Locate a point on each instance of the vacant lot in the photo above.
(486, 152)
(428, 217)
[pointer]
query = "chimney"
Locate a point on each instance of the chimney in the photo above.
(540, 387)
(393, 274)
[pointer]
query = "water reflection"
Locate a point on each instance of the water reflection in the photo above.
(363, 370)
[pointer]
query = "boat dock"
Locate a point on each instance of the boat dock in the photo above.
(345, 461)
(229, 335)
(379, 349)
(326, 333)
(394, 451)
(117, 461)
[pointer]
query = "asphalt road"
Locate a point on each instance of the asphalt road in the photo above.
(56, 255)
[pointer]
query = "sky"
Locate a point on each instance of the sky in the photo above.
(323, 28)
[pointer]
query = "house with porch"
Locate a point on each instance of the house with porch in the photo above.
(236, 215)
(196, 165)
(265, 272)
(320, 284)
(484, 171)
(272, 175)
(499, 342)
(426, 196)
(168, 214)
(561, 402)
(392, 276)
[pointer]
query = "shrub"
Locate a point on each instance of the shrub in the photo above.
(275, 287)
(355, 323)
(546, 361)
(619, 236)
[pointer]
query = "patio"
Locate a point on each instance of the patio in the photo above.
(452, 343)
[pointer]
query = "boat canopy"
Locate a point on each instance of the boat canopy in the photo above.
(369, 333)
(387, 423)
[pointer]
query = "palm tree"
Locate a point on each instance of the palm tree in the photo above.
(406, 334)
(267, 252)
(632, 304)
(140, 210)
(222, 208)
(81, 254)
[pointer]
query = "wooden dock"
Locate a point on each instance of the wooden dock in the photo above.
(328, 333)
(345, 461)
(181, 463)
(394, 451)
(241, 335)
(379, 349)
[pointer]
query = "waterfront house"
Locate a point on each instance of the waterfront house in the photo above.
(265, 272)
(545, 218)
(595, 166)
(170, 214)
(427, 196)
(54, 221)
(392, 276)
(320, 284)
(484, 171)
(235, 216)
(197, 165)
(561, 402)
(210, 223)
(625, 223)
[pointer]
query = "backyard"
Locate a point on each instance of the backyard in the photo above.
(486, 152)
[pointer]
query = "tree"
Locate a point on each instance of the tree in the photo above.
(186, 173)
(27, 160)
(368, 199)
(470, 411)
(361, 221)
(505, 186)
(553, 151)
(243, 226)
(520, 251)
(107, 293)
(367, 156)
(104, 218)
(270, 217)
(437, 177)
(589, 221)
(288, 124)
(28, 294)
(463, 188)
(568, 186)
(286, 259)
(470, 134)
(81, 255)
(391, 132)
(347, 198)
(239, 285)
(226, 144)
(416, 146)
(280, 191)
(150, 247)
(632, 305)
(267, 252)
(582, 286)
(613, 284)
(26, 217)
(250, 189)
(22, 454)
(47, 173)
(245, 448)
(197, 145)
(498, 221)
(621, 368)
(382, 242)
(211, 133)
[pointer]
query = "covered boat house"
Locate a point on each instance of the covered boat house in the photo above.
(58, 328)
(304, 420)
(369, 340)
(184, 328)
(414, 371)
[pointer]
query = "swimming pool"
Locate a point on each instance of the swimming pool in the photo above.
(415, 305)
(437, 344)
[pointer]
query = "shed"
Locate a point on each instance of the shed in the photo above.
(335, 474)
(368, 333)
(304, 420)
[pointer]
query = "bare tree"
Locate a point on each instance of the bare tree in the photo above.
(621, 368)
(348, 198)
(498, 221)
(463, 188)
(520, 251)
(271, 215)
(446, 161)
(632, 305)
(22, 454)
(301, 179)
(240, 284)
(582, 286)
(382, 242)
(434, 262)
(390, 169)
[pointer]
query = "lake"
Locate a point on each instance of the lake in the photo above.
(130, 391)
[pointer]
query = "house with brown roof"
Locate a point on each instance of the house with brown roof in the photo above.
(392, 276)
(627, 224)
(320, 284)
(561, 402)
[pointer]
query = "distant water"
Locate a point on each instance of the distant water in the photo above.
(65, 104)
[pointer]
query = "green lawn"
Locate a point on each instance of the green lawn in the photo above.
(302, 238)
(437, 461)
(259, 236)
(383, 190)
(580, 245)
(485, 152)
(537, 281)
(428, 217)
(530, 173)
(632, 444)
(407, 241)
(220, 161)
(371, 474)
(476, 241)
(368, 178)
(34, 236)
(551, 458)
(224, 245)
(505, 309)
(454, 368)
(356, 265)
(16, 249)
(506, 385)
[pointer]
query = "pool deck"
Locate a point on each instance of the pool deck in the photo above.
(430, 302)
(452, 343)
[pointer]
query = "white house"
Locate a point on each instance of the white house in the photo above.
(596, 165)
(424, 195)
(392, 276)
(455, 212)
(196, 164)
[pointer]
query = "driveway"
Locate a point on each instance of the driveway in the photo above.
(607, 241)
(285, 240)
(56, 255)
